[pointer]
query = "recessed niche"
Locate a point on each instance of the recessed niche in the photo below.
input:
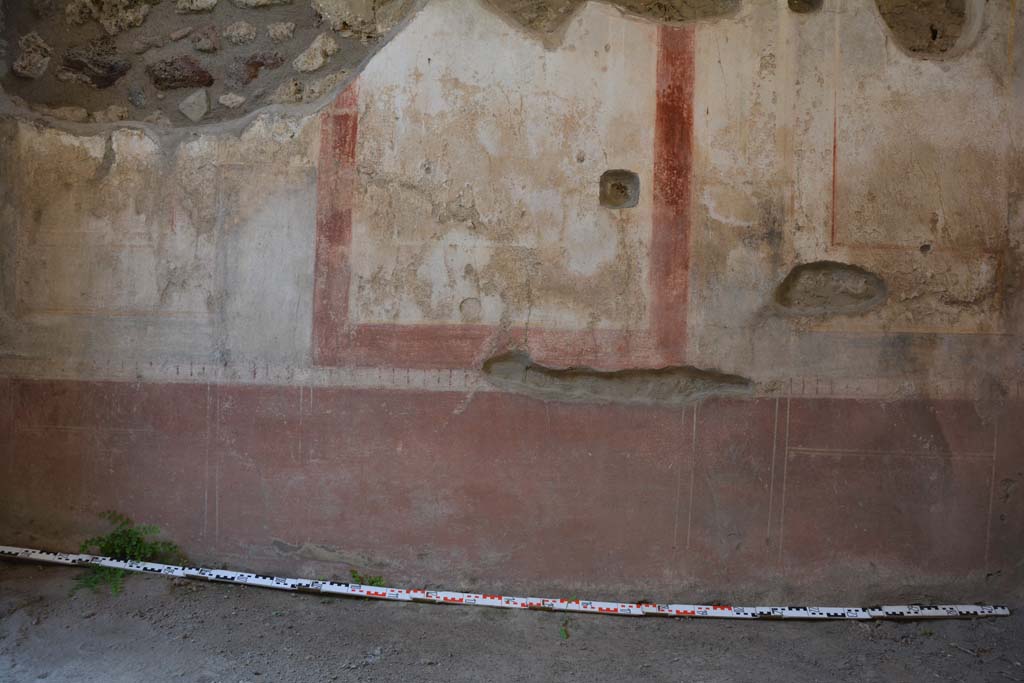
(805, 6)
(619, 189)
(932, 28)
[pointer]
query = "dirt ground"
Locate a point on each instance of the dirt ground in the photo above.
(178, 630)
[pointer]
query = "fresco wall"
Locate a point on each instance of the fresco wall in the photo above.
(406, 328)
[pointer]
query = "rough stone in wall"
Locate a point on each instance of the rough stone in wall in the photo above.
(114, 16)
(314, 90)
(240, 33)
(231, 100)
(195, 106)
(289, 92)
(924, 26)
(34, 58)
(550, 16)
(137, 97)
(281, 31)
(316, 55)
(294, 91)
(351, 15)
(98, 64)
(362, 17)
(180, 72)
(244, 71)
(830, 288)
(206, 39)
(196, 5)
(111, 114)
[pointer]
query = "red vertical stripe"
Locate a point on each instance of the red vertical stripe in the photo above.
(335, 189)
(673, 157)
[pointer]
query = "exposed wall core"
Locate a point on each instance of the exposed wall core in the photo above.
(181, 62)
(830, 288)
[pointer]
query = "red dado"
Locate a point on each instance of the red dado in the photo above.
(730, 497)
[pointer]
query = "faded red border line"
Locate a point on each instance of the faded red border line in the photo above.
(673, 166)
(337, 342)
(335, 190)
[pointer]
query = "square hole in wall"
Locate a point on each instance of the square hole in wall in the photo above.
(619, 189)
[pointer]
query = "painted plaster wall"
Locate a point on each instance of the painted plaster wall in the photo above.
(358, 262)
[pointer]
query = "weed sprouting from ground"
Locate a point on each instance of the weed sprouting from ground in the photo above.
(126, 542)
(366, 580)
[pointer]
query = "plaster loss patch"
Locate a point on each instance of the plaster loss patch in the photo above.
(517, 372)
(830, 288)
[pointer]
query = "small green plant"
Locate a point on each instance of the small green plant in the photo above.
(366, 580)
(126, 542)
(564, 630)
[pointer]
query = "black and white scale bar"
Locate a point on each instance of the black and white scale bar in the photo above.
(512, 602)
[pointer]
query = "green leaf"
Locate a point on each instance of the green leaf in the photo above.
(125, 542)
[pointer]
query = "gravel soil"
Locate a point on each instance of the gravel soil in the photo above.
(160, 629)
